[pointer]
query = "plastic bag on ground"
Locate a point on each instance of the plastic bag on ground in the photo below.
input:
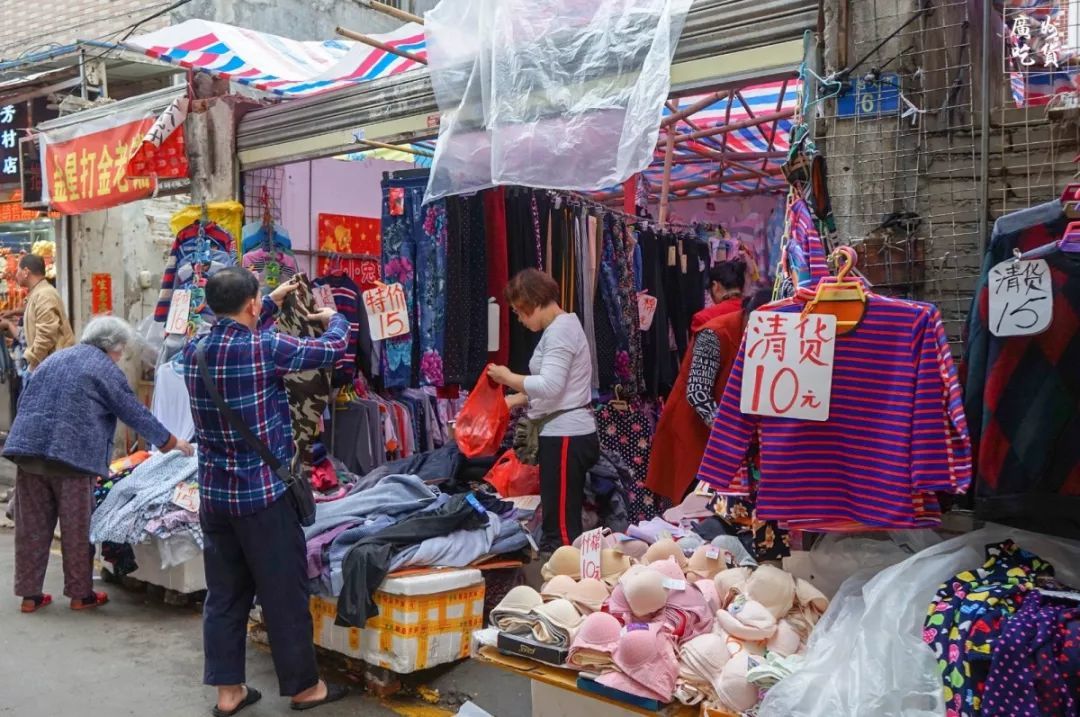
(836, 557)
(482, 423)
(512, 478)
(560, 95)
(867, 655)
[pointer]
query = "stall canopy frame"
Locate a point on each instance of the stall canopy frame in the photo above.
(724, 43)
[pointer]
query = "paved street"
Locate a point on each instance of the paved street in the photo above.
(137, 656)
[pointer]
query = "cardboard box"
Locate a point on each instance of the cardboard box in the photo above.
(423, 621)
(533, 650)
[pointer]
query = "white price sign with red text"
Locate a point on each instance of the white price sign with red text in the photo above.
(387, 310)
(591, 544)
(788, 365)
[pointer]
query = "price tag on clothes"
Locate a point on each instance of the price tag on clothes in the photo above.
(712, 553)
(673, 584)
(1021, 298)
(646, 306)
(179, 311)
(324, 297)
(591, 544)
(396, 199)
(788, 365)
(388, 313)
(186, 495)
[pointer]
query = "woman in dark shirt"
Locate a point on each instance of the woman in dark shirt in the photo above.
(61, 440)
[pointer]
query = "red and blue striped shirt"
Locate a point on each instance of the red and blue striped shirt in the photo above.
(248, 368)
(896, 431)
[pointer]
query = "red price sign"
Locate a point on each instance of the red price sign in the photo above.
(591, 544)
(788, 365)
(387, 310)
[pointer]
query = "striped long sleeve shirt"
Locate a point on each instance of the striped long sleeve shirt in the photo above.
(896, 431)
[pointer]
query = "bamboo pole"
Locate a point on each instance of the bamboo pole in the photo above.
(696, 183)
(665, 189)
(391, 11)
(394, 147)
(694, 108)
(344, 32)
(743, 124)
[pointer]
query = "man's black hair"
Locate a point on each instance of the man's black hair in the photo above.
(757, 299)
(729, 274)
(33, 263)
(230, 289)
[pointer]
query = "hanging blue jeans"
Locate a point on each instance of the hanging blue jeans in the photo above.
(402, 235)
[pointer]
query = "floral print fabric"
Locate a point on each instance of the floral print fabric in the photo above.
(629, 434)
(964, 621)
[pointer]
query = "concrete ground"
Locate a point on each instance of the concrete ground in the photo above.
(137, 656)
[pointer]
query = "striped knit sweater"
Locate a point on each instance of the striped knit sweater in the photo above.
(895, 435)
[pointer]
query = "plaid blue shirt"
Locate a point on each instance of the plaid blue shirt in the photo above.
(249, 368)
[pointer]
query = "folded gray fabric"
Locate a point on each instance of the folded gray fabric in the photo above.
(123, 515)
(394, 495)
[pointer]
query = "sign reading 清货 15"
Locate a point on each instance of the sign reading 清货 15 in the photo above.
(387, 310)
(1021, 298)
(591, 543)
(788, 365)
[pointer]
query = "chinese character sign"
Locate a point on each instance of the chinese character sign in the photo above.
(592, 542)
(85, 169)
(388, 314)
(101, 294)
(357, 236)
(1021, 298)
(13, 120)
(788, 365)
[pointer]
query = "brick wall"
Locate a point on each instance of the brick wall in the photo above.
(28, 27)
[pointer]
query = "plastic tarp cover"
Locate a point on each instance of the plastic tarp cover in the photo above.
(867, 656)
(564, 94)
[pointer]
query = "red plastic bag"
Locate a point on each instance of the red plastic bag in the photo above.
(512, 478)
(482, 423)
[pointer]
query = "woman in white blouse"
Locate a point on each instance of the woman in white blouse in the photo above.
(558, 393)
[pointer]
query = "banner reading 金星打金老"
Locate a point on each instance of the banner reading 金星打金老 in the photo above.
(86, 167)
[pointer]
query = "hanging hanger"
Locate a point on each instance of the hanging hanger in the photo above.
(839, 296)
(1070, 200)
(619, 403)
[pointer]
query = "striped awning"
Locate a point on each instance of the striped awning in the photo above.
(738, 107)
(284, 67)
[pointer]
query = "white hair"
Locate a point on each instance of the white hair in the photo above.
(108, 333)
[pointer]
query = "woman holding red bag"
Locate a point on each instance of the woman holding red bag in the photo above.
(557, 395)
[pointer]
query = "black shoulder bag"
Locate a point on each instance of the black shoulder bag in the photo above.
(298, 486)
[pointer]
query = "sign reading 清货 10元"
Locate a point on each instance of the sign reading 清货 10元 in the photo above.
(1021, 298)
(788, 365)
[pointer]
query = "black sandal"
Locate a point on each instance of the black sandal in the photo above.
(334, 693)
(252, 696)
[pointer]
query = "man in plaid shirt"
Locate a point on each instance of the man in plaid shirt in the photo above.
(254, 543)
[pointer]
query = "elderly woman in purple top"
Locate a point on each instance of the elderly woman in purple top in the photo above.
(62, 438)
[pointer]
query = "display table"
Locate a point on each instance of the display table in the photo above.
(555, 692)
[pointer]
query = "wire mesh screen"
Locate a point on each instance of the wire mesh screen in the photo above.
(263, 189)
(902, 152)
(1036, 136)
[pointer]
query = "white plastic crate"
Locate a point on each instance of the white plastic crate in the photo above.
(423, 621)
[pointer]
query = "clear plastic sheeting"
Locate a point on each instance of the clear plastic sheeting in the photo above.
(566, 94)
(836, 557)
(867, 655)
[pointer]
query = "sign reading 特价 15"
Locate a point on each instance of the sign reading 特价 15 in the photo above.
(788, 365)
